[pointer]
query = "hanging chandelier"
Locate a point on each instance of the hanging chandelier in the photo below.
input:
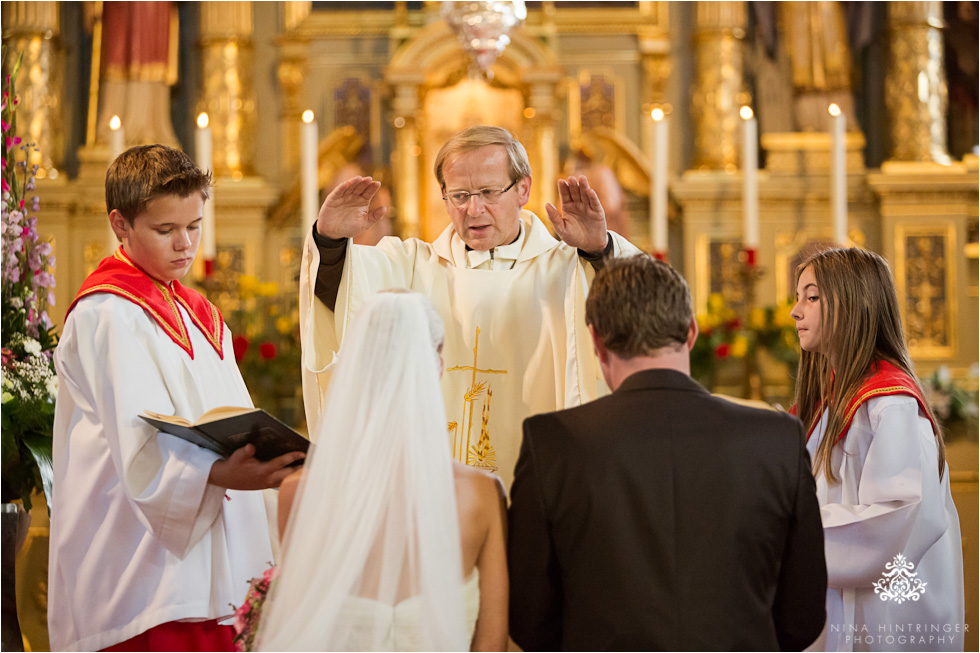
(482, 28)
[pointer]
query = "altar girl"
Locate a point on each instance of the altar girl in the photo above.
(892, 535)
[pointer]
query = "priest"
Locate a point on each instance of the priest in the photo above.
(512, 296)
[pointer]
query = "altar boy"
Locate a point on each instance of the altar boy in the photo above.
(152, 538)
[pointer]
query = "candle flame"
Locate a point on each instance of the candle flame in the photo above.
(202, 120)
(746, 112)
(115, 123)
(833, 110)
(657, 114)
(307, 116)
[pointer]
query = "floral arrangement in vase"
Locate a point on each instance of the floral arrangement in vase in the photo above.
(27, 374)
(724, 336)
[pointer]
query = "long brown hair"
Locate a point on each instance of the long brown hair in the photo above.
(861, 325)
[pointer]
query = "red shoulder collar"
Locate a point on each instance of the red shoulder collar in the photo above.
(117, 274)
(885, 379)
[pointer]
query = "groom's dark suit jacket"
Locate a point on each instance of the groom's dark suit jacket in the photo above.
(662, 518)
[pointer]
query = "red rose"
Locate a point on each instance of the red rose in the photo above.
(721, 351)
(240, 344)
(267, 350)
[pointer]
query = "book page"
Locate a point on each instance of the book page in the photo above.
(170, 419)
(223, 412)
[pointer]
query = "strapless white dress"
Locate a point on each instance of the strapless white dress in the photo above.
(400, 622)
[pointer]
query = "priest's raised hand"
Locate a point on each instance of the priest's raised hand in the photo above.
(345, 213)
(580, 222)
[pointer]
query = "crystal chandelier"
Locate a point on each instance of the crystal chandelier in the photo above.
(482, 28)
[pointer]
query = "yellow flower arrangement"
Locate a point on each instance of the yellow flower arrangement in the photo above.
(723, 335)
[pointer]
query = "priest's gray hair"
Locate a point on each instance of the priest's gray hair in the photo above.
(472, 138)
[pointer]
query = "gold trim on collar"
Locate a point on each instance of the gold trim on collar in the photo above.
(180, 337)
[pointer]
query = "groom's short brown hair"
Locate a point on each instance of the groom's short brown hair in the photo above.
(638, 305)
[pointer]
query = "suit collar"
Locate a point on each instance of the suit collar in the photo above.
(660, 379)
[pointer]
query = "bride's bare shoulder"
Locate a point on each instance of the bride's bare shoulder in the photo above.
(475, 486)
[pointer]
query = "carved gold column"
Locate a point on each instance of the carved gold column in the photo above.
(292, 65)
(290, 72)
(405, 163)
(718, 89)
(226, 50)
(915, 85)
(540, 112)
(32, 29)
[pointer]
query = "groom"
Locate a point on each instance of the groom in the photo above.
(660, 517)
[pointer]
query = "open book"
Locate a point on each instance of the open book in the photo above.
(225, 429)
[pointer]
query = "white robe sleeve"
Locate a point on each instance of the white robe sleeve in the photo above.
(891, 461)
(623, 247)
(366, 271)
(112, 374)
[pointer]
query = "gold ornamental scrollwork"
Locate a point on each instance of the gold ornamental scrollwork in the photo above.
(718, 271)
(925, 279)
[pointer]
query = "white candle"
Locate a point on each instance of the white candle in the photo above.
(750, 183)
(658, 183)
(309, 171)
(838, 173)
(117, 145)
(117, 138)
(204, 149)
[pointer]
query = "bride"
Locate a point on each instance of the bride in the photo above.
(390, 543)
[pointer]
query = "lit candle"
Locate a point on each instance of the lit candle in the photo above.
(309, 171)
(750, 185)
(658, 184)
(117, 139)
(838, 173)
(117, 144)
(205, 161)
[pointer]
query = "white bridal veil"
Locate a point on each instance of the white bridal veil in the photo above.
(373, 539)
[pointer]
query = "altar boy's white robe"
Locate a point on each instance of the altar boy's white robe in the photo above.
(890, 501)
(138, 536)
(516, 340)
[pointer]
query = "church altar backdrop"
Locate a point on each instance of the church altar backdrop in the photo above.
(578, 82)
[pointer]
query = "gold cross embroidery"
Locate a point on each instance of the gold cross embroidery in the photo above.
(483, 454)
